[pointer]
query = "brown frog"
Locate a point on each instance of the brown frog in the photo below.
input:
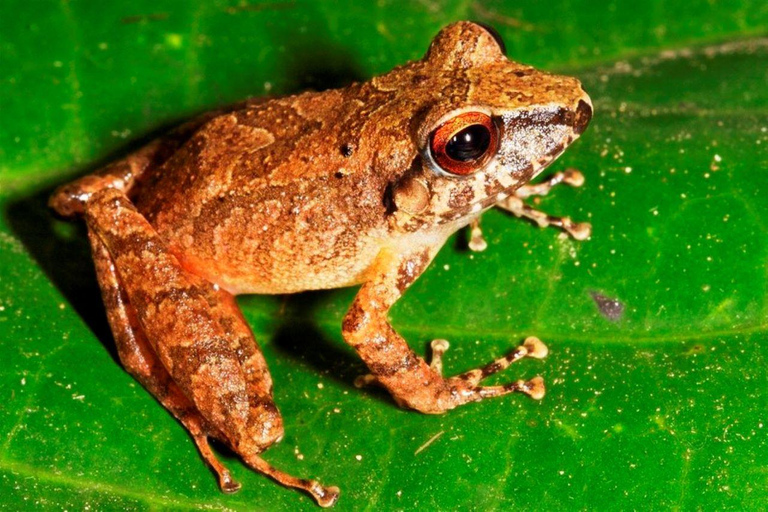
(355, 186)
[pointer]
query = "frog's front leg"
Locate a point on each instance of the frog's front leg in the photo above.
(409, 379)
(186, 341)
(515, 205)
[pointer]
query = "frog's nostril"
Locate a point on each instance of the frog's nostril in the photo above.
(583, 115)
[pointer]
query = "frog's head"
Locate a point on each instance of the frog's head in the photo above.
(490, 125)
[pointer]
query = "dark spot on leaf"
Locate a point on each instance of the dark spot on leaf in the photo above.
(612, 309)
(143, 18)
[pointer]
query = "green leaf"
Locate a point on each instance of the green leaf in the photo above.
(664, 408)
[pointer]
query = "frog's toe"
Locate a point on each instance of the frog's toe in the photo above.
(477, 241)
(534, 388)
(227, 484)
(439, 347)
(577, 230)
(573, 177)
(535, 347)
(328, 497)
(363, 381)
(532, 347)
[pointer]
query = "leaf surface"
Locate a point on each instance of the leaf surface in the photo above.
(665, 408)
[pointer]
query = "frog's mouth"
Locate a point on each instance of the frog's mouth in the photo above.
(533, 139)
(521, 175)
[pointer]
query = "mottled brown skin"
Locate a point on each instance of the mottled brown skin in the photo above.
(313, 191)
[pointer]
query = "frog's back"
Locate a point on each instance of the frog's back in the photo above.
(273, 198)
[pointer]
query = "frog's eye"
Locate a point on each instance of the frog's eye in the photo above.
(464, 144)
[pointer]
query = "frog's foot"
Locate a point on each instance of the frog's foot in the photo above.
(515, 205)
(324, 496)
(227, 484)
(448, 393)
(571, 177)
(442, 394)
(467, 383)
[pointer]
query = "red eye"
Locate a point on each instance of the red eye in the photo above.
(464, 144)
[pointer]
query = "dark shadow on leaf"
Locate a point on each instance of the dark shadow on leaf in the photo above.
(461, 241)
(61, 248)
(62, 251)
(298, 337)
(312, 59)
(321, 68)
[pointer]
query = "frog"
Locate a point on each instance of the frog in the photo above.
(357, 186)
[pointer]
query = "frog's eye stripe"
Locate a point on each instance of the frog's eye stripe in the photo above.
(465, 143)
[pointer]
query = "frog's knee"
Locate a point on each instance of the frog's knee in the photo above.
(69, 200)
(265, 427)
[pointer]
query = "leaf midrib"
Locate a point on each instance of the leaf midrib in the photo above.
(82, 483)
(606, 338)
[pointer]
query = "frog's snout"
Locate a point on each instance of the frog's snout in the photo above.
(583, 116)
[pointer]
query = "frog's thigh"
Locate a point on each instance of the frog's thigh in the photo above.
(225, 310)
(190, 326)
(140, 361)
(125, 247)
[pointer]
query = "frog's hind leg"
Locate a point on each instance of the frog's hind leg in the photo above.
(198, 336)
(139, 360)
